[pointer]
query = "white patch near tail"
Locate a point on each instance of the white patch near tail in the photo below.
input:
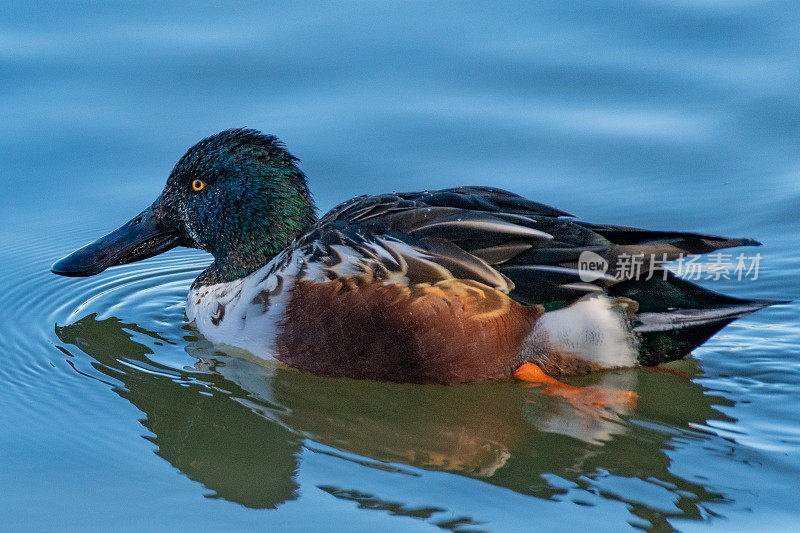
(591, 329)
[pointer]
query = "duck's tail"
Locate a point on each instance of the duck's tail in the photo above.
(675, 316)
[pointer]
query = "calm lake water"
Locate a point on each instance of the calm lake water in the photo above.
(663, 114)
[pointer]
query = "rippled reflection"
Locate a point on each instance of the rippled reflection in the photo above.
(238, 427)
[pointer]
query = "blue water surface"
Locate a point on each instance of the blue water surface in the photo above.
(116, 416)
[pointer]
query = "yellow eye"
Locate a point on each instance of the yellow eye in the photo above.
(198, 185)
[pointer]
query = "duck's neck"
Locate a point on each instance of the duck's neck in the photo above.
(252, 246)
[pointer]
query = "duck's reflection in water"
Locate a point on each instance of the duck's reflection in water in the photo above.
(237, 427)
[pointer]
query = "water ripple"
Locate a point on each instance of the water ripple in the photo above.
(153, 291)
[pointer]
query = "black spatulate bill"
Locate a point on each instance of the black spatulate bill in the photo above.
(143, 236)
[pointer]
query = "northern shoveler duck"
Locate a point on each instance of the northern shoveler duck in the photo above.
(446, 286)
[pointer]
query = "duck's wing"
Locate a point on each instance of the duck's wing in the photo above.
(524, 248)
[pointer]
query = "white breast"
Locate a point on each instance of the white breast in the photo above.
(247, 312)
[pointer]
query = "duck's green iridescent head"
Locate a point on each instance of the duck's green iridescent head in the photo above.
(237, 194)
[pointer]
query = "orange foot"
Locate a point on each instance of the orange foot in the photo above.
(579, 397)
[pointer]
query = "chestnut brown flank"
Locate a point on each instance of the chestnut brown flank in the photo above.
(447, 332)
